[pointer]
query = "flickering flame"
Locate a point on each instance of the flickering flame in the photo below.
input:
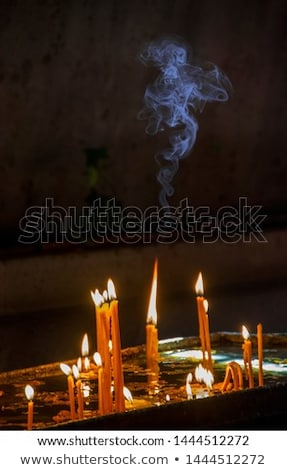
(85, 345)
(245, 333)
(205, 305)
(199, 286)
(208, 378)
(128, 395)
(65, 368)
(199, 373)
(29, 392)
(188, 386)
(167, 397)
(97, 359)
(97, 298)
(105, 295)
(76, 372)
(152, 313)
(111, 290)
(79, 363)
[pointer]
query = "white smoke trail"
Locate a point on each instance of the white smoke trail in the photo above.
(180, 89)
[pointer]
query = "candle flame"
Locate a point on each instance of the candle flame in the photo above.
(97, 359)
(199, 286)
(245, 333)
(29, 392)
(85, 345)
(97, 298)
(205, 305)
(199, 373)
(76, 372)
(105, 295)
(188, 388)
(65, 368)
(208, 378)
(111, 290)
(79, 363)
(152, 312)
(127, 394)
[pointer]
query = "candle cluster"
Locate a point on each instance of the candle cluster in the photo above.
(106, 368)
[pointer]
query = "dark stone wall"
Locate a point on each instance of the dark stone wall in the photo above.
(70, 79)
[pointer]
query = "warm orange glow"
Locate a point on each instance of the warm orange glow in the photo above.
(97, 359)
(245, 333)
(65, 368)
(97, 298)
(85, 345)
(199, 286)
(205, 305)
(152, 312)
(111, 290)
(29, 392)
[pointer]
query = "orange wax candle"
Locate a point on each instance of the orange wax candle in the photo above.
(201, 316)
(247, 356)
(116, 349)
(151, 328)
(260, 354)
(29, 392)
(98, 361)
(103, 339)
(207, 336)
(79, 392)
(70, 382)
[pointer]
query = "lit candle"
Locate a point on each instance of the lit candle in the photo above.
(70, 381)
(188, 388)
(260, 354)
(151, 323)
(207, 336)
(247, 356)
(76, 374)
(116, 349)
(98, 361)
(103, 342)
(29, 392)
(201, 316)
(85, 353)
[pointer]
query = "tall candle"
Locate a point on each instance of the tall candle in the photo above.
(151, 323)
(76, 374)
(29, 392)
(201, 316)
(247, 356)
(207, 336)
(71, 385)
(116, 349)
(103, 341)
(260, 354)
(98, 362)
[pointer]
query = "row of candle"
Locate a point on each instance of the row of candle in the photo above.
(108, 358)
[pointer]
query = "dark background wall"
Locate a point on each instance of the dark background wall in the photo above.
(70, 79)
